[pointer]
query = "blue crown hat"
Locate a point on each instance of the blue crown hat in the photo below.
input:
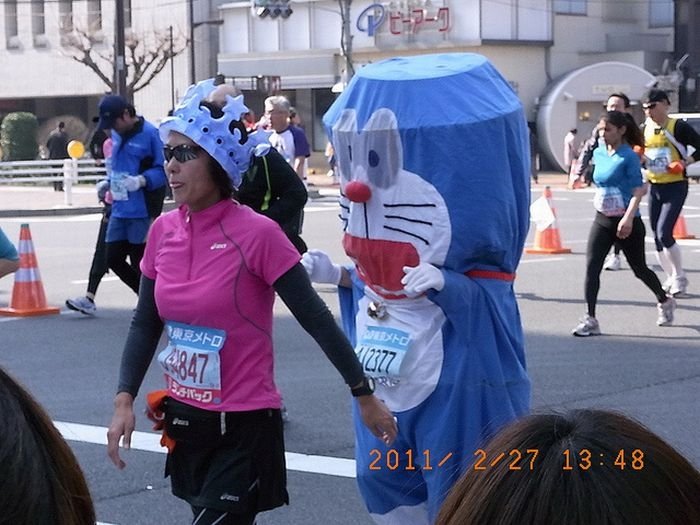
(213, 134)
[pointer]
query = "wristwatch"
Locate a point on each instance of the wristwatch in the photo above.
(366, 388)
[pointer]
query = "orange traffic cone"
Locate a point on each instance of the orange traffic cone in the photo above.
(680, 231)
(28, 298)
(547, 241)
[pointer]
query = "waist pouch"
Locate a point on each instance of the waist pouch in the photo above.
(187, 423)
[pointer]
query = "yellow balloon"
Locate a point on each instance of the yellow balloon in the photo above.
(75, 149)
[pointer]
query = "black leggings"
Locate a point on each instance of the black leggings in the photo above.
(117, 253)
(665, 205)
(204, 516)
(99, 259)
(602, 236)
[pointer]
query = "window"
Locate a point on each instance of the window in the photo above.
(660, 13)
(10, 18)
(570, 7)
(38, 26)
(65, 15)
(94, 15)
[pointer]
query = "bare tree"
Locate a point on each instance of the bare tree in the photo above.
(146, 56)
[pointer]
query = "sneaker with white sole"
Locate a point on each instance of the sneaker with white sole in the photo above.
(612, 262)
(587, 326)
(82, 305)
(667, 284)
(679, 286)
(666, 310)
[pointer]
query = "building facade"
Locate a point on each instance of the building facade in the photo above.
(687, 44)
(36, 42)
(538, 45)
(534, 43)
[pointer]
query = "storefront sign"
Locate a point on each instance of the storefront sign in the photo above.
(606, 89)
(404, 20)
(370, 19)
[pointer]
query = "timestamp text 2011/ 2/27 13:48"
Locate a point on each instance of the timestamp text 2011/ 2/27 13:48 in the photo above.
(515, 459)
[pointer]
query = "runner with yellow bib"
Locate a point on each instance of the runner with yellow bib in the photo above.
(666, 143)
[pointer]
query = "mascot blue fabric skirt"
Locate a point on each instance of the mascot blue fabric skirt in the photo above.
(434, 164)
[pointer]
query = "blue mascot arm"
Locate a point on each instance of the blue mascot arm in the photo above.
(483, 315)
(457, 296)
(348, 299)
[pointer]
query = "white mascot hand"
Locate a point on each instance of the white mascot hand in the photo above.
(320, 267)
(422, 278)
(132, 183)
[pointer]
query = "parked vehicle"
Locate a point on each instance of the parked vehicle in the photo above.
(694, 120)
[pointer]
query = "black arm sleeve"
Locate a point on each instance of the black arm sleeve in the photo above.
(686, 135)
(586, 155)
(314, 316)
(288, 192)
(142, 340)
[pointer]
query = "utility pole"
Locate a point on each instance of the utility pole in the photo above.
(194, 25)
(172, 70)
(119, 59)
(346, 38)
(193, 76)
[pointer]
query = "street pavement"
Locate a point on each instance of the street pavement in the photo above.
(70, 361)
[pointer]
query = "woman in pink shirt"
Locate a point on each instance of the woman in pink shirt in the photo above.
(210, 272)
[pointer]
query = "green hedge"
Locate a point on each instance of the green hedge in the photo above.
(18, 136)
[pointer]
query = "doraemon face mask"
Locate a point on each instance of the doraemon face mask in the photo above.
(392, 218)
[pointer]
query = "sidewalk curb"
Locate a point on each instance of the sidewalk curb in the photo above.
(52, 212)
(320, 192)
(63, 212)
(315, 192)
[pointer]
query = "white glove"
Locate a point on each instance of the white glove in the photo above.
(102, 188)
(320, 267)
(421, 278)
(134, 183)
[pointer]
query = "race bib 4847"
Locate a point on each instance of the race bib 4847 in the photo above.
(191, 362)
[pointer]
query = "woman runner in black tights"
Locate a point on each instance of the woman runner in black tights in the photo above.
(619, 191)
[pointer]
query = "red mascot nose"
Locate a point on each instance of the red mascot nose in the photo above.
(358, 191)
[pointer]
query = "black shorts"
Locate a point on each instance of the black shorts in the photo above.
(241, 471)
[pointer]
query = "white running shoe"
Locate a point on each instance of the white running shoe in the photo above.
(587, 326)
(612, 262)
(667, 284)
(82, 305)
(666, 310)
(679, 287)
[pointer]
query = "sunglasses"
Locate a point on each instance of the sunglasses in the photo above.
(651, 105)
(181, 153)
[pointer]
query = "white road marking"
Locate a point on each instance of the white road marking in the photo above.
(547, 259)
(104, 280)
(150, 442)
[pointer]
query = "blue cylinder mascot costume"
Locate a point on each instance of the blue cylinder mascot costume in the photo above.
(434, 164)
